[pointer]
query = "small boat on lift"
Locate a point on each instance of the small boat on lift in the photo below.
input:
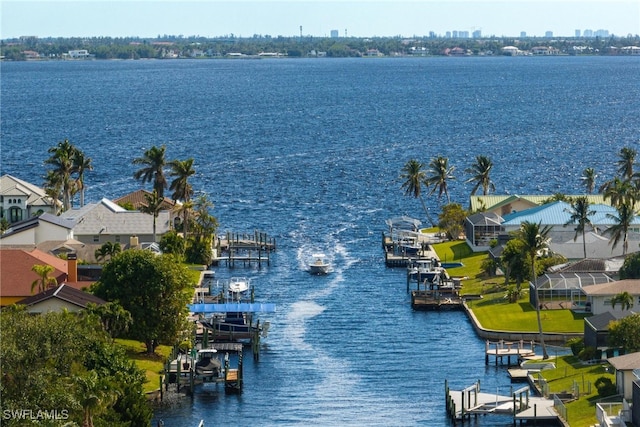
(207, 363)
(239, 285)
(319, 265)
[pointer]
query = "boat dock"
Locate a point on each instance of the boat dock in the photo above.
(180, 369)
(245, 249)
(461, 405)
(501, 349)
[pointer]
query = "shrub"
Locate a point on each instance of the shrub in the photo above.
(587, 353)
(605, 387)
(576, 345)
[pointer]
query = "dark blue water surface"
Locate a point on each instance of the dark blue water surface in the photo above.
(310, 151)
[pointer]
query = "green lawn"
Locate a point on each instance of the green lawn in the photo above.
(152, 365)
(493, 311)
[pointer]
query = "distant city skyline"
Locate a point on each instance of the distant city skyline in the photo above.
(357, 18)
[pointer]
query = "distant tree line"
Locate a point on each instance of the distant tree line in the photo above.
(146, 48)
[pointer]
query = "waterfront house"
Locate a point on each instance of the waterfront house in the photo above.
(599, 296)
(596, 330)
(59, 298)
(20, 200)
(138, 200)
(16, 275)
(625, 366)
(38, 229)
(105, 221)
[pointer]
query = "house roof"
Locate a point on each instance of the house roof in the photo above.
(627, 362)
(16, 276)
(12, 186)
(600, 322)
(35, 221)
(590, 265)
(138, 200)
(66, 293)
(613, 288)
(492, 202)
(559, 213)
(105, 217)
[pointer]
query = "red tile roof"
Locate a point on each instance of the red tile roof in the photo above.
(16, 276)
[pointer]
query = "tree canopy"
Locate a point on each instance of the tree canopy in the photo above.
(155, 289)
(625, 333)
(65, 362)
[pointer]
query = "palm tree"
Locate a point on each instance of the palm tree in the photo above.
(441, 174)
(153, 162)
(536, 240)
(624, 298)
(414, 178)
(620, 230)
(580, 212)
(63, 161)
(82, 165)
(107, 250)
(153, 207)
(95, 395)
(181, 170)
(589, 179)
(620, 192)
(185, 209)
(626, 162)
(480, 171)
(53, 189)
(44, 281)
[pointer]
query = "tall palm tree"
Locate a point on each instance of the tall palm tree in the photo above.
(414, 178)
(153, 163)
(82, 165)
(45, 281)
(480, 172)
(624, 298)
(182, 170)
(620, 192)
(620, 230)
(580, 212)
(441, 174)
(107, 250)
(53, 189)
(535, 239)
(153, 207)
(626, 162)
(63, 161)
(589, 179)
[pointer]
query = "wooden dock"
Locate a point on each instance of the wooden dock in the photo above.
(245, 249)
(461, 405)
(501, 349)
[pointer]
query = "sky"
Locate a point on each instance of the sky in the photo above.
(354, 18)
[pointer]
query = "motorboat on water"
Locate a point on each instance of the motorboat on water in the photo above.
(239, 285)
(319, 265)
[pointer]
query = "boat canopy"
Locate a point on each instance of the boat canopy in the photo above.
(233, 308)
(404, 223)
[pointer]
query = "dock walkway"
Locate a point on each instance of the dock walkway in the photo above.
(462, 404)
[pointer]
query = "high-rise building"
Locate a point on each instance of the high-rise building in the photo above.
(523, 34)
(577, 33)
(477, 34)
(334, 34)
(548, 34)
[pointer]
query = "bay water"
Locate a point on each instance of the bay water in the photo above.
(310, 152)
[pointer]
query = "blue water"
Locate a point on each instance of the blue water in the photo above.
(310, 152)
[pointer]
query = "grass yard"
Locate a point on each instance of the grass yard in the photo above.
(152, 365)
(571, 371)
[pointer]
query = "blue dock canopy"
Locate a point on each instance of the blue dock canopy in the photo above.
(233, 308)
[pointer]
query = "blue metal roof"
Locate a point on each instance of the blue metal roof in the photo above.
(233, 308)
(559, 213)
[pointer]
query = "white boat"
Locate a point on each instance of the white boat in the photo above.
(238, 285)
(319, 265)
